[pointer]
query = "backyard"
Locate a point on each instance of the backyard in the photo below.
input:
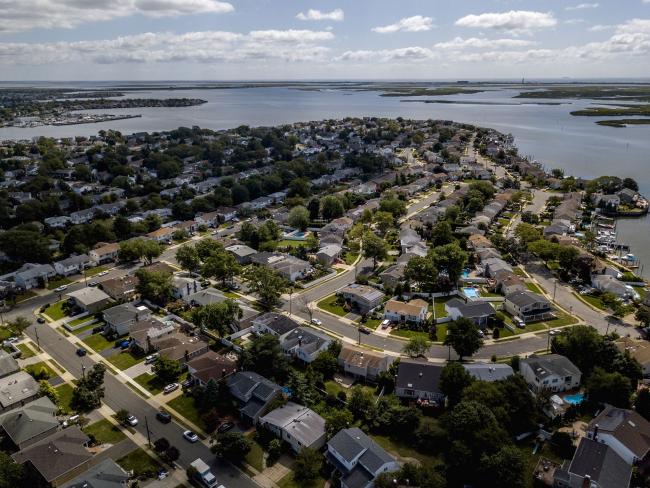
(65, 397)
(105, 432)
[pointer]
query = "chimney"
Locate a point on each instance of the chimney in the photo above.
(223, 373)
(586, 482)
(596, 432)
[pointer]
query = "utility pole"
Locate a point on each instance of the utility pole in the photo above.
(554, 288)
(290, 298)
(83, 371)
(38, 342)
(146, 423)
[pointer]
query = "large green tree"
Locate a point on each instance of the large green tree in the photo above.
(219, 317)
(154, 285)
(374, 247)
(463, 335)
(266, 283)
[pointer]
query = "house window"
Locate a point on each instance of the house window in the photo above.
(409, 392)
(568, 379)
(555, 380)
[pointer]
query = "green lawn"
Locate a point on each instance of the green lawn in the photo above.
(440, 306)
(139, 462)
(65, 397)
(288, 243)
(95, 271)
(333, 388)
(518, 271)
(26, 295)
(593, 301)
(51, 285)
(350, 257)
(26, 351)
(534, 288)
(641, 291)
(288, 482)
(82, 320)
(98, 342)
(125, 360)
(371, 324)
(231, 294)
(150, 382)
(255, 457)
(441, 332)
(329, 304)
(184, 405)
(105, 432)
(55, 310)
(409, 334)
(35, 368)
(400, 449)
(87, 327)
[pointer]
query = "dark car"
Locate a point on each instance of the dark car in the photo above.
(164, 417)
(40, 320)
(364, 330)
(81, 352)
(98, 329)
(225, 427)
(187, 383)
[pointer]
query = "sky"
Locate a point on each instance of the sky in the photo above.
(323, 39)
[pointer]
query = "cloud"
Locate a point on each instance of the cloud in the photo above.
(163, 47)
(22, 15)
(460, 44)
(335, 15)
(600, 27)
(582, 6)
(417, 23)
(515, 21)
(413, 53)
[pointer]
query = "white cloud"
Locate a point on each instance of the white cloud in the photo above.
(582, 6)
(634, 25)
(414, 53)
(161, 47)
(336, 15)
(515, 21)
(417, 23)
(460, 44)
(21, 15)
(575, 21)
(600, 27)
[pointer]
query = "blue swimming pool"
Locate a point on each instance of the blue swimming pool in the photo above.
(471, 292)
(465, 273)
(574, 399)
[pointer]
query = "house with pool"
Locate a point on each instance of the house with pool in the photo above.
(551, 372)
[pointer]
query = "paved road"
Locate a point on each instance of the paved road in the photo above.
(119, 396)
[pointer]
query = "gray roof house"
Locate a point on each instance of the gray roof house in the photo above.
(610, 284)
(363, 297)
(492, 265)
(254, 393)
(593, 465)
(550, 372)
(16, 390)
(305, 343)
(30, 423)
(489, 372)
(528, 306)
(359, 459)
(89, 299)
(74, 264)
(625, 431)
(363, 363)
(204, 297)
(8, 365)
(274, 323)
(297, 425)
(478, 312)
(419, 380)
(107, 474)
(120, 318)
(33, 275)
(242, 253)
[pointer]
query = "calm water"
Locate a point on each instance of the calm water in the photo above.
(546, 132)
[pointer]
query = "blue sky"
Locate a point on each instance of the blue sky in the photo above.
(353, 39)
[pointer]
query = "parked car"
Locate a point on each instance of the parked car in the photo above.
(81, 352)
(151, 358)
(98, 329)
(132, 420)
(164, 417)
(385, 323)
(92, 283)
(103, 273)
(190, 436)
(187, 383)
(316, 321)
(364, 330)
(170, 387)
(61, 288)
(225, 427)
(40, 320)
(518, 322)
(162, 473)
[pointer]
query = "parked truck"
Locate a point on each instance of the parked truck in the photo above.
(203, 475)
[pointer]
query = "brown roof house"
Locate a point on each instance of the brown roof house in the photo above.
(210, 366)
(120, 289)
(638, 349)
(625, 431)
(363, 363)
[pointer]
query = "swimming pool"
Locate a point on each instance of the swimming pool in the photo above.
(465, 273)
(471, 292)
(574, 399)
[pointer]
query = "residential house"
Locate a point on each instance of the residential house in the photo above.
(106, 474)
(30, 423)
(104, 253)
(610, 284)
(419, 380)
(509, 283)
(285, 265)
(179, 346)
(489, 372)
(82, 216)
(358, 458)
(551, 372)
(638, 349)
(120, 318)
(73, 265)
(623, 430)
(493, 265)
(329, 253)
(8, 365)
(242, 253)
(304, 343)
(210, 366)
(89, 299)
(362, 297)
(274, 323)
(162, 235)
(226, 214)
(393, 275)
(16, 390)
(120, 289)
(594, 465)
(254, 393)
(59, 457)
(414, 311)
(296, 425)
(478, 312)
(528, 306)
(33, 275)
(144, 333)
(183, 286)
(363, 363)
(209, 219)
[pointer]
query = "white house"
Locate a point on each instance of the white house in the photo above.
(104, 253)
(72, 265)
(304, 343)
(551, 372)
(297, 425)
(625, 431)
(414, 311)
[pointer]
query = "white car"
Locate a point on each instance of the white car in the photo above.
(61, 288)
(190, 436)
(151, 358)
(170, 387)
(385, 323)
(132, 420)
(103, 273)
(316, 321)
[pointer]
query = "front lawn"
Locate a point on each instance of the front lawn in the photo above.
(105, 432)
(441, 332)
(51, 285)
(36, 369)
(55, 310)
(25, 351)
(125, 360)
(95, 271)
(534, 288)
(150, 382)
(410, 334)
(255, 456)
(80, 321)
(98, 342)
(185, 407)
(80, 330)
(330, 304)
(592, 300)
(140, 463)
(231, 294)
(440, 306)
(26, 295)
(400, 449)
(288, 482)
(350, 257)
(65, 397)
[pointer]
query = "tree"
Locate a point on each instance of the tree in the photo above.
(337, 419)
(188, 258)
(207, 247)
(266, 283)
(172, 454)
(233, 446)
(221, 265)
(219, 317)
(505, 469)
(642, 403)
(441, 234)
(45, 389)
(274, 451)
(374, 247)
(299, 218)
(139, 248)
(11, 473)
(360, 403)
(384, 220)
(416, 347)
(453, 381)
(89, 391)
(331, 207)
(449, 259)
(168, 370)
(264, 355)
(527, 233)
(161, 444)
(154, 285)
(422, 271)
(307, 465)
(631, 184)
(613, 388)
(326, 364)
(463, 335)
(643, 315)
(121, 416)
